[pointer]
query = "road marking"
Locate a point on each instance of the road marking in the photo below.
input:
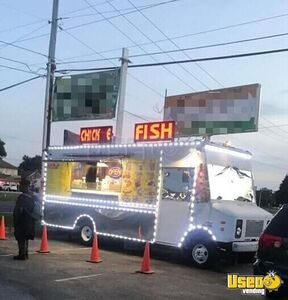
(3, 255)
(78, 277)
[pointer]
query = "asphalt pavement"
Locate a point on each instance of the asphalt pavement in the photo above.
(65, 274)
(7, 206)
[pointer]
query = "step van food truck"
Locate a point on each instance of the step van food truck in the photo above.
(198, 196)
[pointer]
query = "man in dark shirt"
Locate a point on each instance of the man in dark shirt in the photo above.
(24, 224)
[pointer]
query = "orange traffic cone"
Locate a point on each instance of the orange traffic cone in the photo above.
(44, 241)
(95, 257)
(145, 267)
(2, 229)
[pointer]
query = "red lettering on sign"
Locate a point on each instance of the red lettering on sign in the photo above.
(102, 134)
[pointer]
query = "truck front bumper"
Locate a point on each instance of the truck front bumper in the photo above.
(245, 246)
(237, 247)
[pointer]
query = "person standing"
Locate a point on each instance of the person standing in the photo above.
(24, 223)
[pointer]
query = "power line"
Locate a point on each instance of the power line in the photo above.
(112, 11)
(20, 83)
(85, 8)
(137, 116)
(275, 125)
(22, 12)
(22, 48)
(109, 1)
(177, 46)
(217, 29)
(18, 62)
(147, 37)
(192, 60)
(110, 68)
(191, 34)
(211, 58)
(181, 49)
(19, 139)
(17, 69)
(97, 21)
(21, 26)
(26, 34)
(215, 45)
(131, 40)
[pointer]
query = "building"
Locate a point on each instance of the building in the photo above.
(8, 173)
(8, 169)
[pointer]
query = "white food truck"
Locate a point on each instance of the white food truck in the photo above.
(198, 196)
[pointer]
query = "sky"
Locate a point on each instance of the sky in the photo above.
(87, 33)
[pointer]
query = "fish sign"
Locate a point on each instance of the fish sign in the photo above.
(154, 131)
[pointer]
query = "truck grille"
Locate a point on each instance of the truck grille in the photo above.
(254, 228)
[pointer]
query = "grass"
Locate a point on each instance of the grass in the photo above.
(8, 196)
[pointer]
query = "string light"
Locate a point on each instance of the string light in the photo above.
(94, 228)
(100, 206)
(130, 207)
(92, 200)
(245, 155)
(159, 192)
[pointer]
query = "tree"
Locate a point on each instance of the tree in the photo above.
(2, 149)
(30, 164)
(265, 198)
(282, 193)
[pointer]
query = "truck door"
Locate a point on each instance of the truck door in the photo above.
(174, 209)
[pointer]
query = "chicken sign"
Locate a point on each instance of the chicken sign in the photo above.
(101, 134)
(154, 131)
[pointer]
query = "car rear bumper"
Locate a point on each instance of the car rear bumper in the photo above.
(263, 267)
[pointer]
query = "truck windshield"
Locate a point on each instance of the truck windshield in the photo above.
(230, 183)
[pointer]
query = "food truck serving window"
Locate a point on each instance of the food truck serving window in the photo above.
(127, 179)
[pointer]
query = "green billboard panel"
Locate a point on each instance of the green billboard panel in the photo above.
(222, 111)
(86, 96)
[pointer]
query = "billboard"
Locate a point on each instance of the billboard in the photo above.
(222, 111)
(86, 96)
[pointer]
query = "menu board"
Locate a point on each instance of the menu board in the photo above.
(139, 180)
(58, 178)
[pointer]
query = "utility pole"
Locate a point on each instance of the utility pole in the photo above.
(121, 95)
(51, 66)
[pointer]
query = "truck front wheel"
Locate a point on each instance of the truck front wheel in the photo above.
(202, 253)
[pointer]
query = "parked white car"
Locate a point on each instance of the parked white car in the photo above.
(10, 187)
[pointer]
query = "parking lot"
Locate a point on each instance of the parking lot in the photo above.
(65, 274)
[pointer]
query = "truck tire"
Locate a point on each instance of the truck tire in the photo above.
(202, 253)
(86, 233)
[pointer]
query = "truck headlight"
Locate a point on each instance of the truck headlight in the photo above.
(238, 229)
